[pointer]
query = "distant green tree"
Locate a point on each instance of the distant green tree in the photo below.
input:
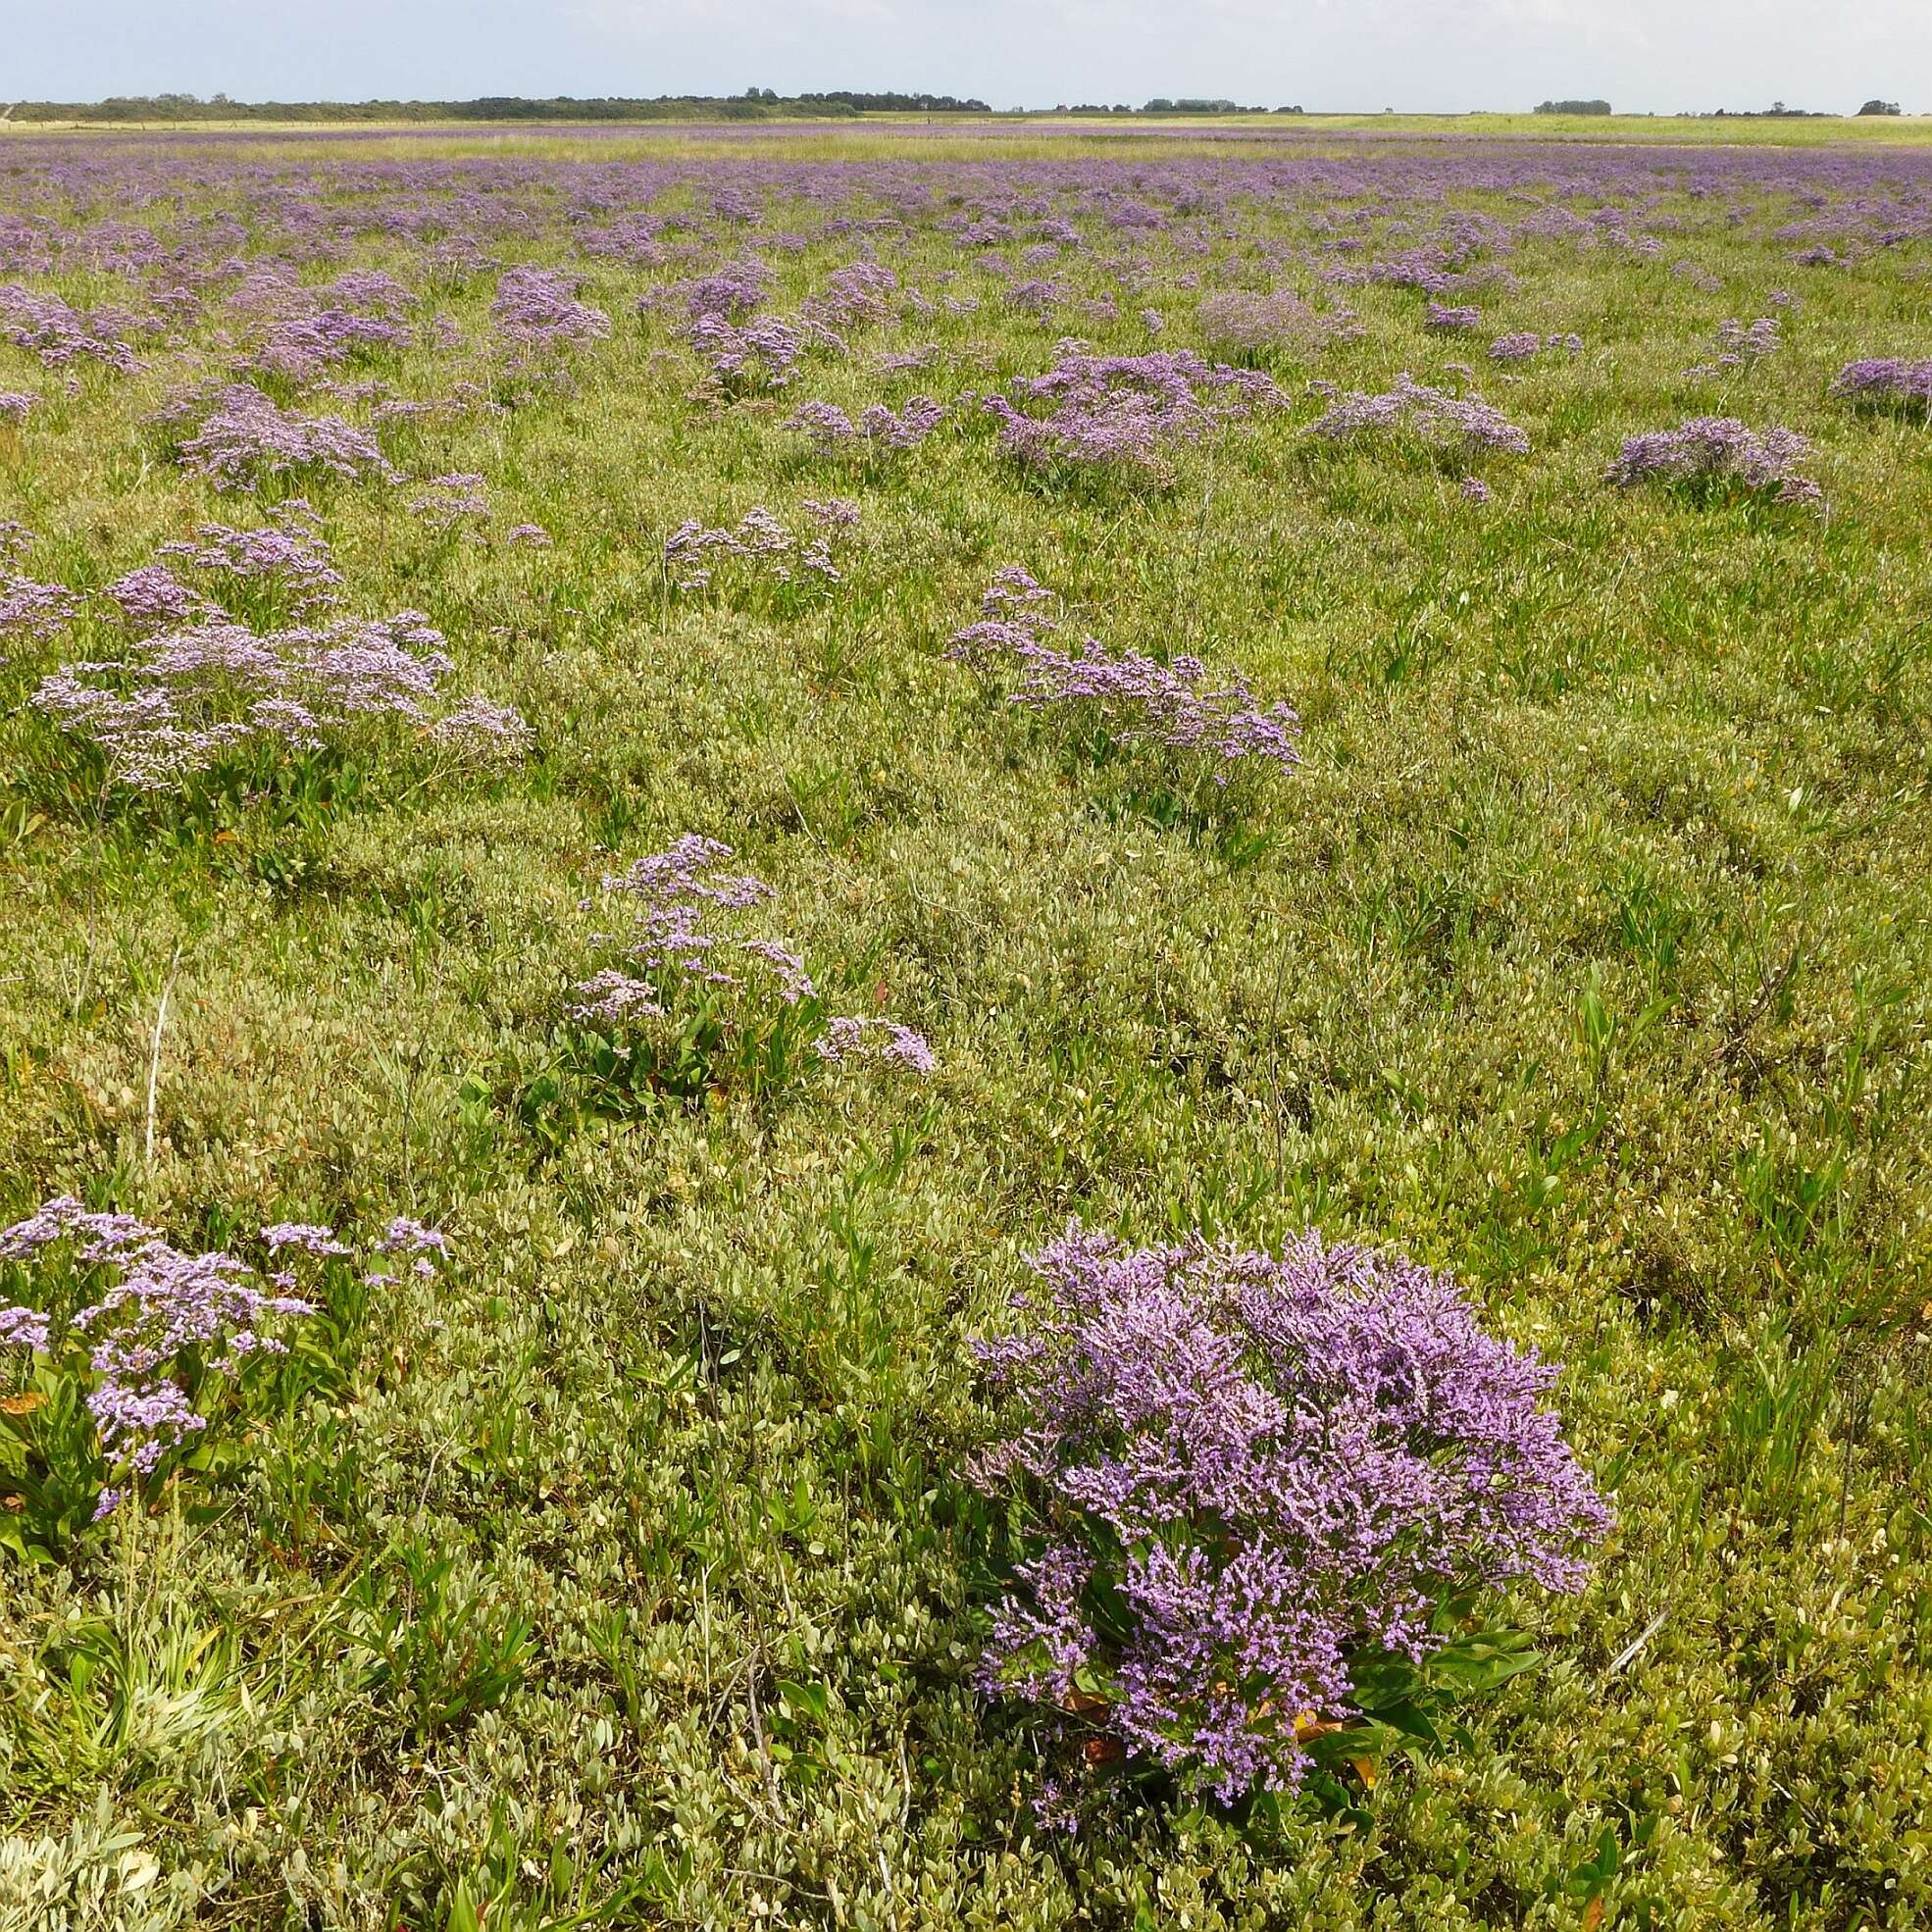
(1573, 107)
(1879, 107)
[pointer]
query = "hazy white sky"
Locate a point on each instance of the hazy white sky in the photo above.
(1657, 55)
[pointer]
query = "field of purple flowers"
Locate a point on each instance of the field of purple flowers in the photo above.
(1021, 1037)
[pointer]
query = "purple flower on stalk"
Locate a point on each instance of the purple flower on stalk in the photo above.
(15, 405)
(830, 428)
(1270, 1468)
(188, 696)
(1452, 319)
(44, 325)
(405, 1235)
(449, 501)
(1517, 348)
(304, 1236)
(152, 597)
(764, 546)
(1247, 322)
(291, 551)
(846, 1038)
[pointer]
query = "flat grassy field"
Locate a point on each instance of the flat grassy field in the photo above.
(620, 1565)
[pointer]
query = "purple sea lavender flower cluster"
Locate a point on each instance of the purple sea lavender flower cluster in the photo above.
(678, 896)
(59, 335)
(1463, 423)
(151, 597)
(188, 695)
(33, 609)
(300, 346)
(728, 294)
(744, 358)
(289, 551)
(537, 309)
(762, 544)
(1271, 1472)
(1125, 412)
(1527, 344)
(1014, 615)
(878, 428)
(858, 295)
(1740, 347)
(243, 437)
(1452, 318)
(1246, 323)
(16, 405)
(159, 1315)
(1140, 700)
(1887, 379)
(450, 502)
(1717, 449)
(848, 1039)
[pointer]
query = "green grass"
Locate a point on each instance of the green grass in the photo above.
(624, 1574)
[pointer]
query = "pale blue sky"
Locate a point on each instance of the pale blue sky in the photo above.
(1656, 55)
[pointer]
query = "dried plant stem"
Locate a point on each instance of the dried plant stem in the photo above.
(154, 1056)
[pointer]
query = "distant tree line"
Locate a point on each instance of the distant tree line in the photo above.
(1573, 107)
(1161, 105)
(754, 104)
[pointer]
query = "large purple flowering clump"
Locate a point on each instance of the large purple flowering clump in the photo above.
(1244, 322)
(60, 336)
(537, 309)
(1248, 1478)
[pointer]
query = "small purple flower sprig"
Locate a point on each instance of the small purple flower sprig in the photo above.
(761, 549)
(685, 933)
(1246, 1484)
(1714, 452)
(754, 357)
(1247, 321)
(28, 607)
(1526, 344)
(1139, 698)
(151, 1331)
